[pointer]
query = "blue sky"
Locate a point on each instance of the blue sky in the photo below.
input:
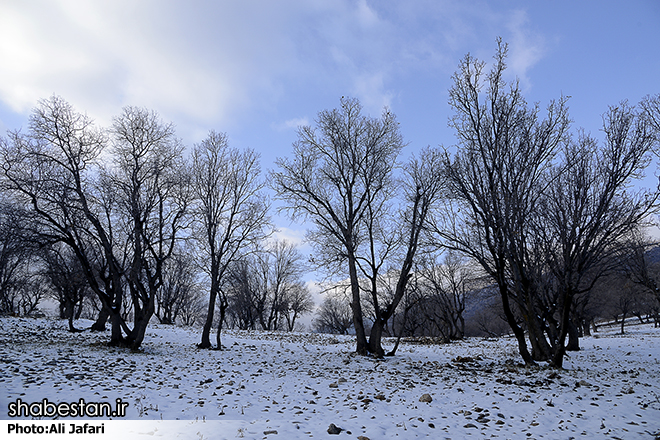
(256, 69)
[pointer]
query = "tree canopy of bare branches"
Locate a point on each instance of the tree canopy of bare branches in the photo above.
(540, 210)
(265, 289)
(231, 213)
(341, 178)
(588, 209)
(496, 180)
(121, 218)
(339, 173)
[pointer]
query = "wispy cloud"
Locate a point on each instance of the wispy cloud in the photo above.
(372, 92)
(525, 47)
(210, 64)
(295, 236)
(291, 124)
(206, 60)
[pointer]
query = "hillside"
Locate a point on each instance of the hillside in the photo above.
(274, 385)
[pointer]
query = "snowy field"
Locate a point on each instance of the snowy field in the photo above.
(286, 386)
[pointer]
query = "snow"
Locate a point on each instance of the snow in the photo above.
(293, 385)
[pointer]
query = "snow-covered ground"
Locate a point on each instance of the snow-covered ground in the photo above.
(285, 386)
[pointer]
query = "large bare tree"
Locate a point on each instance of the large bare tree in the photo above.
(151, 194)
(392, 239)
(231, 214)
(505, 149)
(50, 170)
(589, 209)
(339, 171)
(342, 178)
(120, 218)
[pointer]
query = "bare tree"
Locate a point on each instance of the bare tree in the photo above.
(121, 220)
(341, 178)
(638, 267)
(284, 269)
(446, 285)
(338, 173)
(286, 295)
(192, 308)
(589, 209)
(334, 315)
(635, 262)
(496, 180)
(178, 289)
(69, 286)
(392, 240)
(245, 294)
(16, 249)
(231, 214)
(151, 197)
(296, 302)
(48, 171)
(265, 288)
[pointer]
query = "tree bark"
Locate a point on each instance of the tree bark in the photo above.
(541, 350)
(375, 338)
(116, 336)
(206, 332)
(518, 332)
(221, 320)
(99, 325)
(360, 335)
(573, 337)
(557, 360)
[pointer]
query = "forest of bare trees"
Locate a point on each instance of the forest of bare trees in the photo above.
(525, 224)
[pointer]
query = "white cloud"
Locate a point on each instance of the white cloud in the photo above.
(291, 124)
(366, 16)
(525, 47)
(206, 60)
(295, 236)
(373, 95)
(207, 64)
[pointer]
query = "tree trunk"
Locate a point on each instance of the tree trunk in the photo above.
(375, 338)
(72, 328)
(139, 330)
(99, 325)
(623, 323)
(573, 337)
(360, 335)
(66, 309)
(79, 309)
(142, 318)
(518, 332)
(560, 348)
(223, 310)
(206, 332)
(541, 350)
(116, 337)
(396, 346)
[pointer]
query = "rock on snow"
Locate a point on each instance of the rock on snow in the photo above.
(280, 385)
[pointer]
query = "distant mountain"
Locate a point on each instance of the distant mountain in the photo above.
(653, 255)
